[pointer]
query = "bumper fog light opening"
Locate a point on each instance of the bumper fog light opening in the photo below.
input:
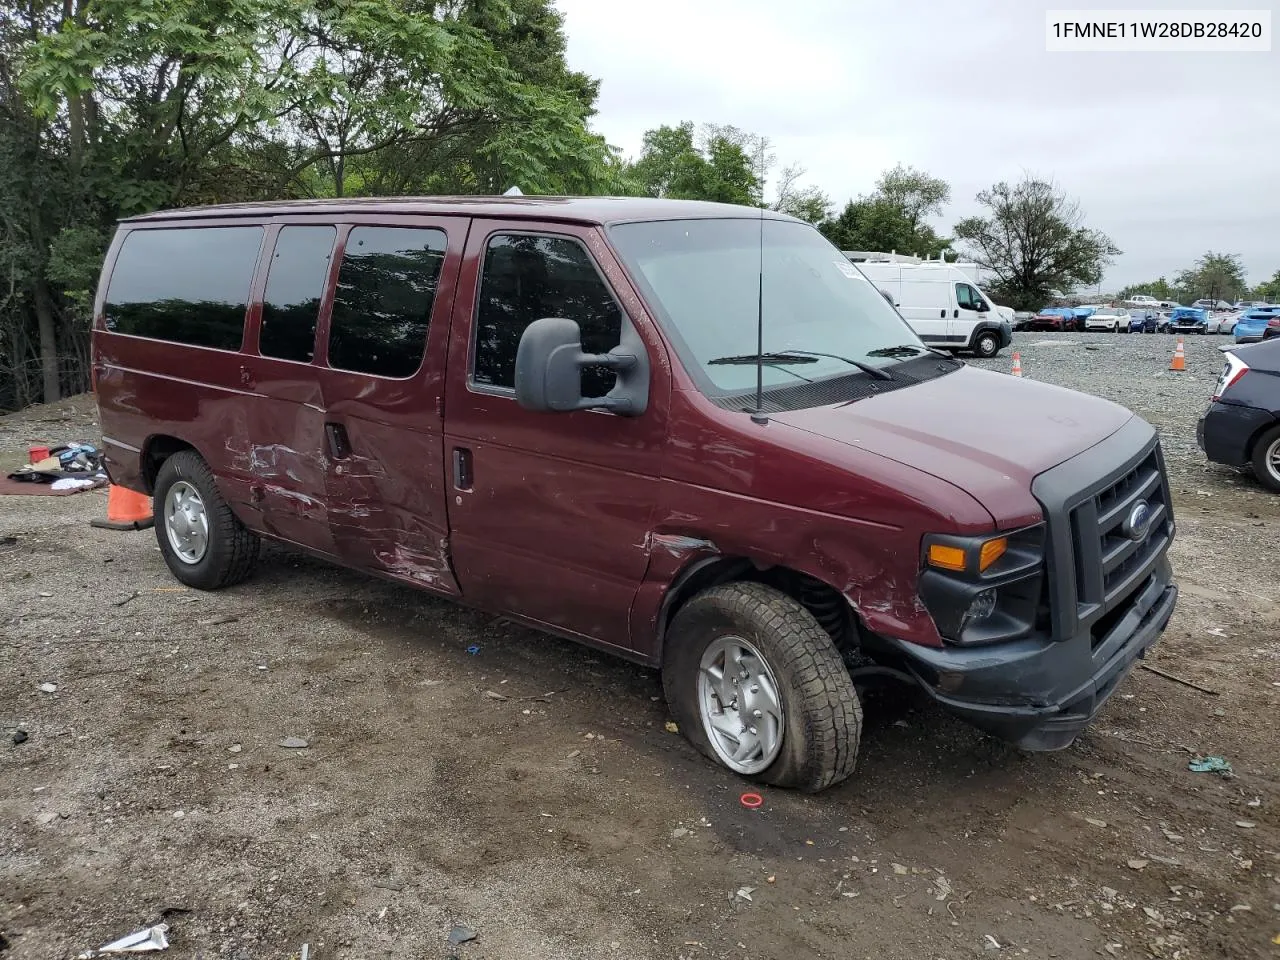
(980, 608)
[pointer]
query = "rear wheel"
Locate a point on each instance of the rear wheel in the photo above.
(757, 685)
(987, 345)
(1266, 459)
(204, 544)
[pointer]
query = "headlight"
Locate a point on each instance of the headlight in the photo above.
(983, 590)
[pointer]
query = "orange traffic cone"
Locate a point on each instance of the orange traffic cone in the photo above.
(1179, 357)
(1017, 364)
(126, 510)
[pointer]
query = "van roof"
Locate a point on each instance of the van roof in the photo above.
(593, 210)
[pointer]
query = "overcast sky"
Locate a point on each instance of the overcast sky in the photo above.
(1171, 154)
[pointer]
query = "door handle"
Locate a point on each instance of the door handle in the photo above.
(339, 444)
(943, 313)
(462, 478)
(956, 314)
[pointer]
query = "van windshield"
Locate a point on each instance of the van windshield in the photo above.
(822, 317)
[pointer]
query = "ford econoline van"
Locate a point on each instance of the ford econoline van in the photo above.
(691, 434)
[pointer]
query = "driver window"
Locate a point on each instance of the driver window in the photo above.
(527, 278)
(967, 297)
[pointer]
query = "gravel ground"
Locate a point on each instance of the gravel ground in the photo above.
(532, 792)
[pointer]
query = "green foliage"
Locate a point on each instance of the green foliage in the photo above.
(894, 216)
(1035, 242)
(673, 164)
(1215, 276)
(1160, 289)
(110, 108)
(1268, 290)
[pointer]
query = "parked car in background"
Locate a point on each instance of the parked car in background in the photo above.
(1083, 313)
(1054, 318)
(1189, 320)
(1142, 301)
(1241, 427)
(1021, 318)
(1145, 321)
(1223, 322)
(1212, 305)
(1114, 319)
(1252, 324)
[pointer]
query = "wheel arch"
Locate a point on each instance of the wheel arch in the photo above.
(158, 448)
(833, 611)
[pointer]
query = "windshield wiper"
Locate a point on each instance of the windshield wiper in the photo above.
(901, 350)
(866, 368)
(765, 358)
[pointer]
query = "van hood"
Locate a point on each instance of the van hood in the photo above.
(987, 433)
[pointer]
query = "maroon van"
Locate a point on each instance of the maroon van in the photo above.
(692, 434)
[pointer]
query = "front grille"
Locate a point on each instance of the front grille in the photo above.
(1097, 572)
(1110, 566)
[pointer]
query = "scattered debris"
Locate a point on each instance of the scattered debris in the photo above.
(461, 934)
(899, 869)
(1218, 765)
(1245, 824)
(753, 801)
(744, 893)
(234, 748)
(943, 886)
(1138, 864)
(473, 650)
(990, 943)
(1216, 632)
(48, 688)
(672, 727)
(19, 736)
(1186, 683)
(388, 885)
(494, 695)
(293, 743)
(1095, 821)
(218, 621)
(679, 832)
(143, 941)
(1240, 908)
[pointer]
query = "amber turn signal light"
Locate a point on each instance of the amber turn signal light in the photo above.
(992, 551)
(948, 558)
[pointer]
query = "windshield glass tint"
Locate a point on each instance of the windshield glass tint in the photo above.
(703, 278)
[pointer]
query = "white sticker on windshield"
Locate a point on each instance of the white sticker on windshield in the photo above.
(848, 269)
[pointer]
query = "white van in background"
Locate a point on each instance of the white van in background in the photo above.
(941, 302)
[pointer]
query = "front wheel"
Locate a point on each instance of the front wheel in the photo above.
(757, 685)
(987, 345)
(204, 544)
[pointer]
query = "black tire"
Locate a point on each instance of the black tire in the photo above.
(986, 344)
(822, 715)
(1264, 448)
(231, 551)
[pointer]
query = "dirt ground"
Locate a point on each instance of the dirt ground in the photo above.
(531, 791)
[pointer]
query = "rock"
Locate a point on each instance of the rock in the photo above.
(461, 934)
(179, 814)
(46, 818)
(899, 869)
(1138, 864)
(48, 688)
(19, 736)
(679, 832)
(1245, 824)
(1110, 893)
(1095, 821)
(293, 743)
(671, 727)
(234, 748)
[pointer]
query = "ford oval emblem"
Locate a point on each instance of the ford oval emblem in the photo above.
(1137, 525)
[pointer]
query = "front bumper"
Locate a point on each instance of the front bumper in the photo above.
(1107, 600)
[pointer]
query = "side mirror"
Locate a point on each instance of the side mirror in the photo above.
(981, 306)
(550, 361)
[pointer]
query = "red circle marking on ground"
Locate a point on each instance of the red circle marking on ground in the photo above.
(752, 800)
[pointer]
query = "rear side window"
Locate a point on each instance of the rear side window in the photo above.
(295, 284)
(528, 278)
(381, 308)
(188, 285)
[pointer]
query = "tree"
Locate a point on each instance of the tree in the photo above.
(1268, 290)
(1160, 289)
(121, 107)
(1215, 276)
(893, 217)
(673, 164)
(806, 203)
(1035, 242)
